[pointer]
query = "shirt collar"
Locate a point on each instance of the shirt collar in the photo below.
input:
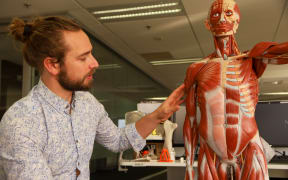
(53, 99)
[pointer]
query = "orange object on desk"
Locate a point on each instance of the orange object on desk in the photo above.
(165, 157)
(145, 153)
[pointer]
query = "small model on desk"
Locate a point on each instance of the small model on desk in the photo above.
(169, 128)
(168, 153)
(147, 154)
(225, 87)
(133, 116)
(151, 152)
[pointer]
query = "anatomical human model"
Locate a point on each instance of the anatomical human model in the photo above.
(225, 88)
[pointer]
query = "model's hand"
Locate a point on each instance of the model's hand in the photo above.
(170, 105)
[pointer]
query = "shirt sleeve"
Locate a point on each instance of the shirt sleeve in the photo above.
(21, 156)
(117, 139)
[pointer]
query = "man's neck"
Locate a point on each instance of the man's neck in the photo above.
(56, 88)
(226, 46)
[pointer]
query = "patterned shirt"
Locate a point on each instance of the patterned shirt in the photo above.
(40, 138)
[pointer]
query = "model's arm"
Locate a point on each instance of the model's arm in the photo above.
(149, 122)
(21, 155)
(265, 53)
(190, 133)
(270, 52)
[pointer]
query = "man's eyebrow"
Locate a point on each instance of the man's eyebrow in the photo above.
(84, 54)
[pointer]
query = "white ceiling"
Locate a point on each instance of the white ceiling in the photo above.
(170, 37)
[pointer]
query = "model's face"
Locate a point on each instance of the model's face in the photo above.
(76, 71)
(224, 18)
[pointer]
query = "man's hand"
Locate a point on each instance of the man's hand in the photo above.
(149, 122)
(170, 105)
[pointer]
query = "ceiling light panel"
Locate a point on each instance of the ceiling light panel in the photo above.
(138, 11)
(274, 93)
(151, 13)
(156, 98)
(177, 61)
(137, 8)
(109, 66)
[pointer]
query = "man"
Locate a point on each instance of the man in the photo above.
(225, 87)
(49, 134)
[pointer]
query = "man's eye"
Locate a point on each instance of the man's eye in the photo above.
(83, 58)
(229, 13)
(215, 14)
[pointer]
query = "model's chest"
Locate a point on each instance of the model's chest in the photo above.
(232, 73)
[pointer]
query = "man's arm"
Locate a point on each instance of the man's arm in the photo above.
(116, 139)
(149, 122)
(120, 139)
(20, 155)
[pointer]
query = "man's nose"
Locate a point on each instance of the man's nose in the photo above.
(94, 64)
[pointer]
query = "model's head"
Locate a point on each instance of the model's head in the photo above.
(223, 18)
(42, 37)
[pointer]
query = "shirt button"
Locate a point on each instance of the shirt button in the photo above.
(77, 141)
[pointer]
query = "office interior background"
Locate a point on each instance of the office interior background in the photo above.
(143, 47)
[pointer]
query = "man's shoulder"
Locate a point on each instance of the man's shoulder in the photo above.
(26, 107)
(23, 119)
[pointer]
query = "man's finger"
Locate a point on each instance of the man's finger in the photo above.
(178, 92)
(181, 101)
(180, 96)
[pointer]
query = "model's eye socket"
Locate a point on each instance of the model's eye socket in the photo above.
(216, 14)
(229, 13)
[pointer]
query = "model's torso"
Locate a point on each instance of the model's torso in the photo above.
(227, 96)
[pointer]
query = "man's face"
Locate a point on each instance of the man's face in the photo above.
(68, 83)
(224, 18)
(76, 71)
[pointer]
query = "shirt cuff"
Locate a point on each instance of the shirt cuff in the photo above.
(135, 139)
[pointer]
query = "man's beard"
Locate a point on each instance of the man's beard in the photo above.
(71, 85)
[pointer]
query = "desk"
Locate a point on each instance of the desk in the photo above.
(176, 170)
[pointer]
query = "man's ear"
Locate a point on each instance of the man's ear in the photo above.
(51, 65)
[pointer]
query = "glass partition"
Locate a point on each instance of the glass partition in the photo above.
(10, 73)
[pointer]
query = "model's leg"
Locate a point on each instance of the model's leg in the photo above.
(222, 171)
(206, 165)
(237, 172)
(255, 165)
